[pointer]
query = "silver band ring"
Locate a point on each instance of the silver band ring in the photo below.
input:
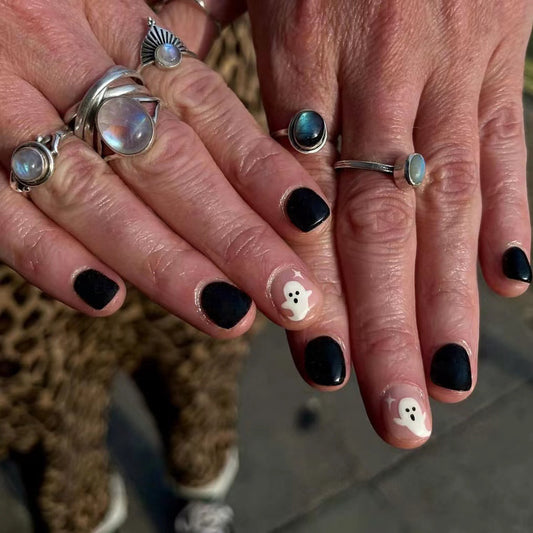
(162, 48)
(307, 132)
(113, 118)
(33, 162)
(407, 171)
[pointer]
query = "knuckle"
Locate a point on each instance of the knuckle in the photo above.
(36, 244)
(378, 218)
(504, 128)
(453, 178)
(160, 266)
(246, 243)
(263, 161)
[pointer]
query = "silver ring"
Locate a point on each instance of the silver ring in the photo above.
(407, 171)
(113, 117)
(162, 48)
(307, 132)
(33, 162)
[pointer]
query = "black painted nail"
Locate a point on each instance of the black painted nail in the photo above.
(324, 362)
(450, 368)
(94, 288)
(516, 265)
(224, 304)
(306, 209)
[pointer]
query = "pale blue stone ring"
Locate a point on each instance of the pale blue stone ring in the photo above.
(33, 162)
(307, 132)
(407, 171)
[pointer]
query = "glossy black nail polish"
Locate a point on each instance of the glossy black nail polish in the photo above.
(94, 288)
(306, 210)
(516, 265)
(224, 304)
(324, 362)
(450, 368)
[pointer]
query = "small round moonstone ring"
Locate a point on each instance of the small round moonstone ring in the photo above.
(407, 171)
(33, 163)
(307, 132)
(162, 48)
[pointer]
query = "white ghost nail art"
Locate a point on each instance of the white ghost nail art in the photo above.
(412, 417)
(296, 300)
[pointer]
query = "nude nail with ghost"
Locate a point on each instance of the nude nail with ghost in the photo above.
(294, 295)
(406, 413)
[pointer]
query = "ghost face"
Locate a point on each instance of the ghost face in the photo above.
(412, 417)
(296, 300)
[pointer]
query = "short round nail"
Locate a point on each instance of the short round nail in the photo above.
(324, 362)
(516, 265)
(450, 368)
(95, 289)
(306, 209)
(224, 304)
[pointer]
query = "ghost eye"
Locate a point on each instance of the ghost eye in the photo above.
(407, 409)
(414, 408)
(290, 294)
(297, 293)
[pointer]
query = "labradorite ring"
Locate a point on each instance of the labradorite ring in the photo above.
(33, 162)
(307, 132)
(407, 171)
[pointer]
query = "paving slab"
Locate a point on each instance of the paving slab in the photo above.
(478, 479)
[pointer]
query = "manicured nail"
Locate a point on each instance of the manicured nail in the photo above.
(294, 295)
(224, 304)
(450, 368)
(306, 210)
(516, 265)
(94, 288)
(324, 362)
(405, 411)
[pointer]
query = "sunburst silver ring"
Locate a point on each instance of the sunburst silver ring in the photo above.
(162, 48)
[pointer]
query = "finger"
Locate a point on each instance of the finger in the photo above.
(241, 243)
(504, 244)
(270, 181)
(49, 258)
(321, 352)
(377, 248)
(86, 198)
(448, 218)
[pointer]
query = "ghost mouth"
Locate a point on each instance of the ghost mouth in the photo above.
(412, 417)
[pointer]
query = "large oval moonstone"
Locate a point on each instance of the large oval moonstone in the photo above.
(167, 55)
(416, 169)
(308, 129)
(28, 164)
(125, 126)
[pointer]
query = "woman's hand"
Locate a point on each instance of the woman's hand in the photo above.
(185, 222)
(442, 78)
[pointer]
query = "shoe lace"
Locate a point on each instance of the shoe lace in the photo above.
(201, 517)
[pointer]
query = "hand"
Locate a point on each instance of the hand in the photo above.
(185, 222)
(440, 78)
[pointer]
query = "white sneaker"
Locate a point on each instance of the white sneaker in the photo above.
(205, 517)
(117, 511)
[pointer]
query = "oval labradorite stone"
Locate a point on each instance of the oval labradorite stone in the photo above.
(125, 126)
(28, 164)
(416, 169)
(167, 55)
(308, 129)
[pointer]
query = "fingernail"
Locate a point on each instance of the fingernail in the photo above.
(405, 411)
(294, 295)
(324, 362)
(224, 304)
(306, 209)
(516, 265)
(94, 288)
(450, 368)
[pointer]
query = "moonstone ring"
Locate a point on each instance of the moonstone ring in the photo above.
(307, 132)
(32, 163)
(162, 48)
(407, 171)
(117, 115)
